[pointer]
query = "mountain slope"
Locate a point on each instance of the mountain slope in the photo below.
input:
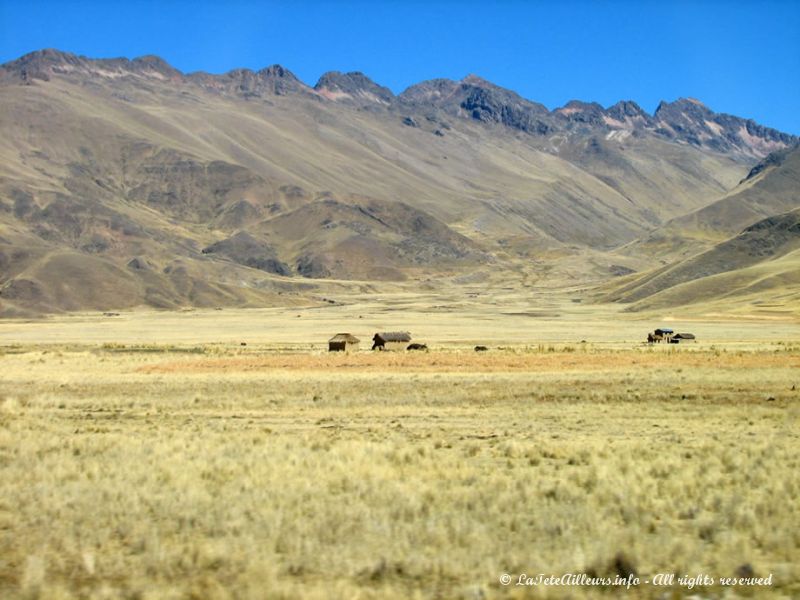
(135, 169)
(769, 288)
(770, 188)
(764, 258)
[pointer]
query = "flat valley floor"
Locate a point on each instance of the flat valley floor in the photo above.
(227, 454)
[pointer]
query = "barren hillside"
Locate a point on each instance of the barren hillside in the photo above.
(126, 182)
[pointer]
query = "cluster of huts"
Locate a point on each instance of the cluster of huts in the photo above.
(401, 340)
(668, 336)
(387, 340)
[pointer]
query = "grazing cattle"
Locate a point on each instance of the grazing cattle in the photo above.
(417, 347)
(481, 348)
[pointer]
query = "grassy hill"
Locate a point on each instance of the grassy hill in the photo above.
(772, 187)
(757, 267)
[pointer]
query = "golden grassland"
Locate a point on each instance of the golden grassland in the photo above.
(459, 318)
(201, 469)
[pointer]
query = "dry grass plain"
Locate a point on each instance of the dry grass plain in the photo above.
(150, 455)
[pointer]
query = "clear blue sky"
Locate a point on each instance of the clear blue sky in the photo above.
(737, 57)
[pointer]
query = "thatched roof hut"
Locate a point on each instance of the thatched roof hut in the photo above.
(391, 340)
(343, 342)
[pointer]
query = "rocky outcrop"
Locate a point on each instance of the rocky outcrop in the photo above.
(690, 121)
(588, 113)
(271, 81)
(627, 109)
(478, 99)
(43, 64)
(432, 92)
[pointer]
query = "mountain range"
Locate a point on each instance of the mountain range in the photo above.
(127, 182)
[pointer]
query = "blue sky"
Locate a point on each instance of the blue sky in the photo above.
(737, 57)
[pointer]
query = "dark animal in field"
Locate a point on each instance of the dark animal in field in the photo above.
(417, 347)
(481, 348)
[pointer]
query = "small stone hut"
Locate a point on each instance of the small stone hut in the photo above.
(343, 342)
(690, 337)
(391, 340)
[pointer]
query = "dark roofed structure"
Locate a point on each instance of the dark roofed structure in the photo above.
(662, 334)
(391, 340)
(343, 342)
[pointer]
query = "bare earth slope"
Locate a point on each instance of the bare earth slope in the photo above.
(126, 182)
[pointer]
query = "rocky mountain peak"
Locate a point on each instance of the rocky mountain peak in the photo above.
(682, 108)
(50, 56)
(581, 105)
(694, 101)
(41, 64)
(498, 105)
(277, 71)
(273, 80)
(476, 80)
(154, 64)
(582, 112)
(430, 91)
(689, 120)
(626, 109)
(281, 81)
(353, 86)
(685, 120)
